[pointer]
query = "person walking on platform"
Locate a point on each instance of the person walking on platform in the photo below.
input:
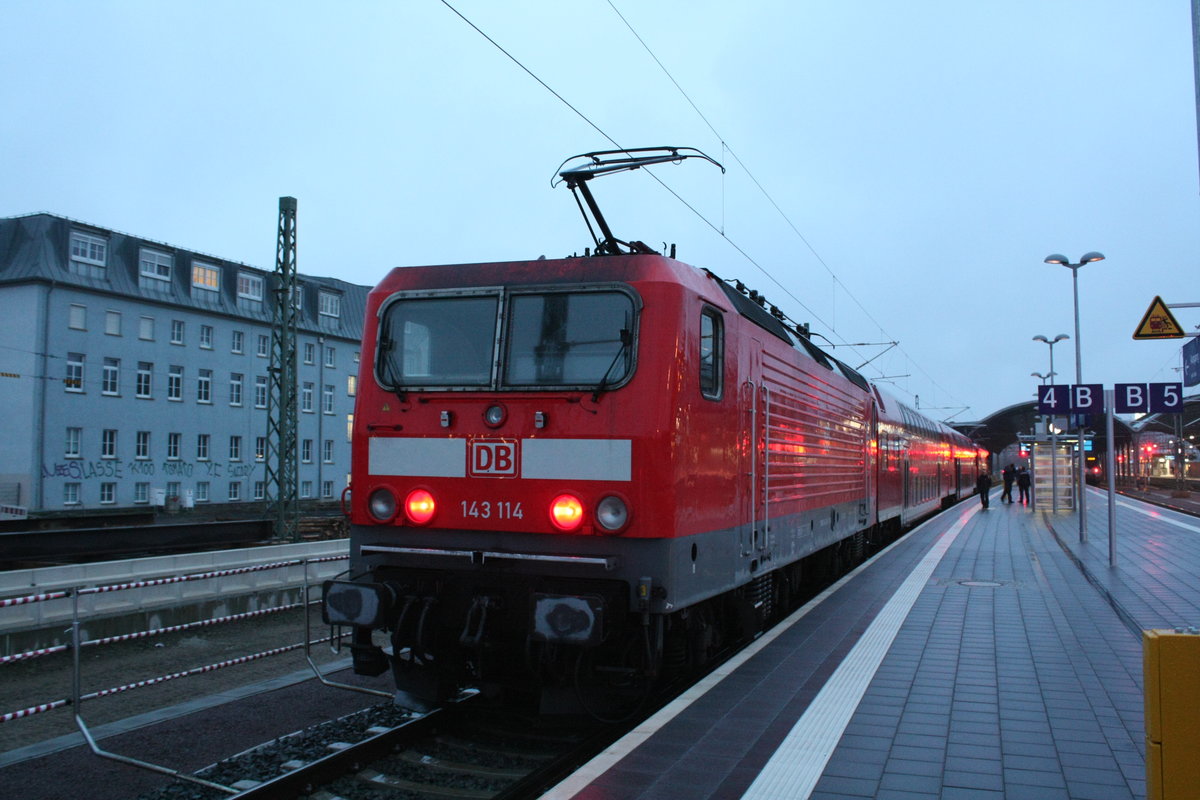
(1008, 475)
(983, 485)
(1023, 484)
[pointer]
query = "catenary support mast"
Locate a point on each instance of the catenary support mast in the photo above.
(281, 462)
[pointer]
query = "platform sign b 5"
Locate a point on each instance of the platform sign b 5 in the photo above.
(1130, 398)
(1165, 398)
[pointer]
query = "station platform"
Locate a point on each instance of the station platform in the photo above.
(988, 654)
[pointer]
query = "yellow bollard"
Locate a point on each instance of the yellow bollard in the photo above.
(1171, 664)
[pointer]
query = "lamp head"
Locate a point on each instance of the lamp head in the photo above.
(1056, 258)
(1091, 256)
(1060, 337)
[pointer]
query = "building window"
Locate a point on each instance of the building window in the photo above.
(327, 451)
(112, 323)
(174, 382)
(145, 378)
(249, 291)
(110, 381)
(235, 491)
(89, 255)
(329, 304)
(327, 398)
(357, 355)
(202, 492)
(143, 445)
(327, 489)
(202, 440)
(172, 489)
(70, 494)
(260, 391)
(349, 427)
(73, 382)
(260, 490)
(72, 448)
(141, 493)
(173, 442)
(305, 489)
(204, 386)
(264, 346)
(146, 329)
(176, 331)
(306, 451)
(351, 385)
(77, 317)
(154, 269)
(310, 352)
(235, 448)
(108, 493)
(239, 340)
(235, 389)
(260, 448)
(205, 277)
(306, 397)
(108, 443)
(330, 357)
(206, 337)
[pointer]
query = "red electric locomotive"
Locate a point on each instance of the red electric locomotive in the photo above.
(573, 476)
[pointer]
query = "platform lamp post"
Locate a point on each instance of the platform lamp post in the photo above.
(1050, 343)
(1087, 258)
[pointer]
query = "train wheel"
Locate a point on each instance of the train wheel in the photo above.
(613, 684)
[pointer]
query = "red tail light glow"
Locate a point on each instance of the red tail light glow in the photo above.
(566, 512)
(419, 506)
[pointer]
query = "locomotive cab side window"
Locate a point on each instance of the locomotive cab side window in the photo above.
(712, 354)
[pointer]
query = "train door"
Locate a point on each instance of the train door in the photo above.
(752, 403)
(871, 453)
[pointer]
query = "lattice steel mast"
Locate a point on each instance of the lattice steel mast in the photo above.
(281, 462)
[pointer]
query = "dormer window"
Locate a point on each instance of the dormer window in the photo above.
(89, 255)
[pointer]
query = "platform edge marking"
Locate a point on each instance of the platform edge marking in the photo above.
(796, 766)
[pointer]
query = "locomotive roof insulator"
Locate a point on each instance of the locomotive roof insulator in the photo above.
(604, 162)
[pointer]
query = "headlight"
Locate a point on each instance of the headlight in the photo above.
(612, 514)
(495, 415)
(382, 505)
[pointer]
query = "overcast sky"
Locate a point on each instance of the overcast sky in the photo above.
(919, 159)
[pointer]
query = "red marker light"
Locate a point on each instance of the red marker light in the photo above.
(566, 512)
(419, 506)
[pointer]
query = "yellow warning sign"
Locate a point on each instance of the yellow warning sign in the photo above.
(1159, 323)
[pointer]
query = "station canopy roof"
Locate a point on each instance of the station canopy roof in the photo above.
(1001, 429)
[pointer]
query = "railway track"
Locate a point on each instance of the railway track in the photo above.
(460, 751)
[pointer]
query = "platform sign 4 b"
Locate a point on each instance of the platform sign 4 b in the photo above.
(1148, 398)
(1080, 398)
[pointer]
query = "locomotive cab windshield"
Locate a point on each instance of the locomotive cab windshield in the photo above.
(580, 338)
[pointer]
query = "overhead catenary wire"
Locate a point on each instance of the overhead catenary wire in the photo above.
(717, 229)
(726, 147)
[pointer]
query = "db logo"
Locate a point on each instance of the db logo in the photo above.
(492, 458)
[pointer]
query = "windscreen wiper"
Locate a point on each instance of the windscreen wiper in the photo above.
(626, 342)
